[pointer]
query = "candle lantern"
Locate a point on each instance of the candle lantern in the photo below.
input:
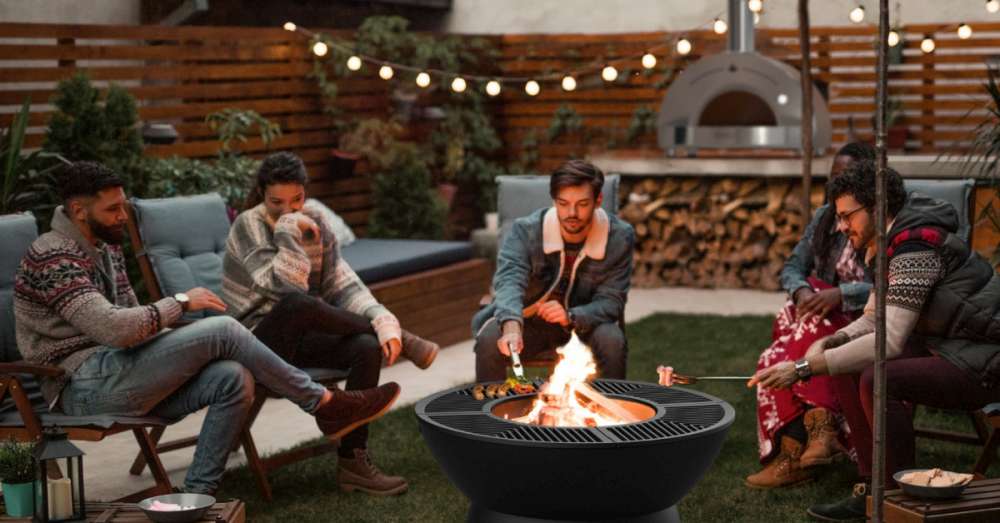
(59, 499)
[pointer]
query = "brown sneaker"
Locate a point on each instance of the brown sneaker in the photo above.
(783, 470)
(350, 409)
(418, 350)
(360, 473)
(823, 445)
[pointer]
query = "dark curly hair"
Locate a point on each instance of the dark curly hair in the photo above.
(86, 179)
(280, 167)
(858, 180)
(825, 233)
(575, 173)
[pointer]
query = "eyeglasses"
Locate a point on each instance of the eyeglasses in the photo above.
(843, 219)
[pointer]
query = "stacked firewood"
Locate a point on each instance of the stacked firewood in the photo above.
(714, 232)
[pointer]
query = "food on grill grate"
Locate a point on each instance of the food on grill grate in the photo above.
(936, 478)
(479, 392)
(520, 387)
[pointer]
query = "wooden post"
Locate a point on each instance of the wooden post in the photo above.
(878, 454)
(927, 101)
(807, 108)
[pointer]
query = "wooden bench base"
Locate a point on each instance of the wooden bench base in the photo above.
(979, 502)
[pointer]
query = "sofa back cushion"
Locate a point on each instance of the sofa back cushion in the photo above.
(519, 195)
(17, 232)
(955, 192)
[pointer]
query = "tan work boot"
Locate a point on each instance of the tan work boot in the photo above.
(783, 470)
(823, 445)
(418, 350)
(359, 473)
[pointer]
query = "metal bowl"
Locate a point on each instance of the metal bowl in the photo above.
(200, 502)
(927, 492)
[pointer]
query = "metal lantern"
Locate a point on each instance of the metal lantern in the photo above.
(59, 499)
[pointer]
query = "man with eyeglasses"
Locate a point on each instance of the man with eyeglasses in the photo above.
(942, 326)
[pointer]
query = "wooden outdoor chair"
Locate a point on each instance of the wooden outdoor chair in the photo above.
(179, 243)
(23, 412)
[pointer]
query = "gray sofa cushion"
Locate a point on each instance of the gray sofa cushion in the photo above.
(955, 192)
(377, 260)
(185, 238)
(519, 195)
(17, 231)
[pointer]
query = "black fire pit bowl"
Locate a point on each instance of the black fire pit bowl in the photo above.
(635, 472)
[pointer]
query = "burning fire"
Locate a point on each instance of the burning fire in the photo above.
(559, 401)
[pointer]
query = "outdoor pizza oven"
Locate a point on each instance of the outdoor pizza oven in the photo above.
(517, 472)
(738, 99)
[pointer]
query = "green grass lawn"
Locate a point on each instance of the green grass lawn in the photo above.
(696, 345)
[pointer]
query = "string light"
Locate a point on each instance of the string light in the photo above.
(354, 63)
(964, 31)
(893, 38)
(385, 72)
(756, 18)
(458, 85)
(493, 88)
(320, 49)
(927, 45)
(423, 79)
(532, 88)
(992, 5)
(609, 73)
(649, 60)
(857, 14)
(755, 5)
(568, 83)
(684, 46)
(720, 26)
(289, 26)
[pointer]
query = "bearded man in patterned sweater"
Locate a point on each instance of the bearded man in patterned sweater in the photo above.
(942, 326)
(74, 308)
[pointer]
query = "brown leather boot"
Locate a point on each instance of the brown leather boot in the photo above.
(350, 409)
(823, 445)
(783, 470)
(360, 473)
(418, 350)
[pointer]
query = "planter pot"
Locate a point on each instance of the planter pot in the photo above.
(492, 220)
(447, 192)
(17, 497)
(343, 163)
(896, 137)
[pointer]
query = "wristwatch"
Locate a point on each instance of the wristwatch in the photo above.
(803, 370)
(183, 300)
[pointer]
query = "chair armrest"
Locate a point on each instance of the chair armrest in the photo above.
(20, 367)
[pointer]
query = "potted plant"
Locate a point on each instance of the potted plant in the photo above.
(26, 182)
(361, 143)
(984, 155)
(17, 477)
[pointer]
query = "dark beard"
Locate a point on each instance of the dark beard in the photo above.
(114, 235)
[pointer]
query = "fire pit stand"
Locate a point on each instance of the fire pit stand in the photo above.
(518, 473)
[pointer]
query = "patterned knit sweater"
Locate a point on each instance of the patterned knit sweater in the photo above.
(264, 263)
(72, 297)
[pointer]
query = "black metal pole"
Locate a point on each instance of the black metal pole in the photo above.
(807, 105)
(881, 276)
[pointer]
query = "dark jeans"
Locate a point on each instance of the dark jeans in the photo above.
(915, 378)
(308, 332)
(607, 341)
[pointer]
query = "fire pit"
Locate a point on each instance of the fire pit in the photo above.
(518, 472)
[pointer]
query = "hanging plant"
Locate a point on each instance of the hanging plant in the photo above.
(565, 120)
(643, 121)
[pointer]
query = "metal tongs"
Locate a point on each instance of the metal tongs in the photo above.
(516, 365)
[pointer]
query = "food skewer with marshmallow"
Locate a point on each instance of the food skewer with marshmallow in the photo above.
(669, 378)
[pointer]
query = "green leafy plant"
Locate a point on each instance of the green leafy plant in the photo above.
(408, 207)
(984, 155)
(643, 121)
(27, 179)
(230, 176)
(17, 462)
(565, 120)
(85, 127)
(234, 123)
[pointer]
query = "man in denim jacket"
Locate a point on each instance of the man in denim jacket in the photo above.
(561, 269)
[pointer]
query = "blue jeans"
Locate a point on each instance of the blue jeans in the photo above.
(211, 363)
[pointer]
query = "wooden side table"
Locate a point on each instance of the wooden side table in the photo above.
(980, 502)
(229, 512)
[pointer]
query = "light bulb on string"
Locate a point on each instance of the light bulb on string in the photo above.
(423, 79)
(609, 73)
(993, 5)
(493, 88)
(320, 49)
(289, 26)
(385, 72)
(354, 63)
(755, 5)
(893, 38)
(458, 85)
(720, 26)
(649, 60)
(857, 14)
(927, 45)
(683, 46)
(964, 31)
(568, 83)
(532, 88)
(756, 18)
